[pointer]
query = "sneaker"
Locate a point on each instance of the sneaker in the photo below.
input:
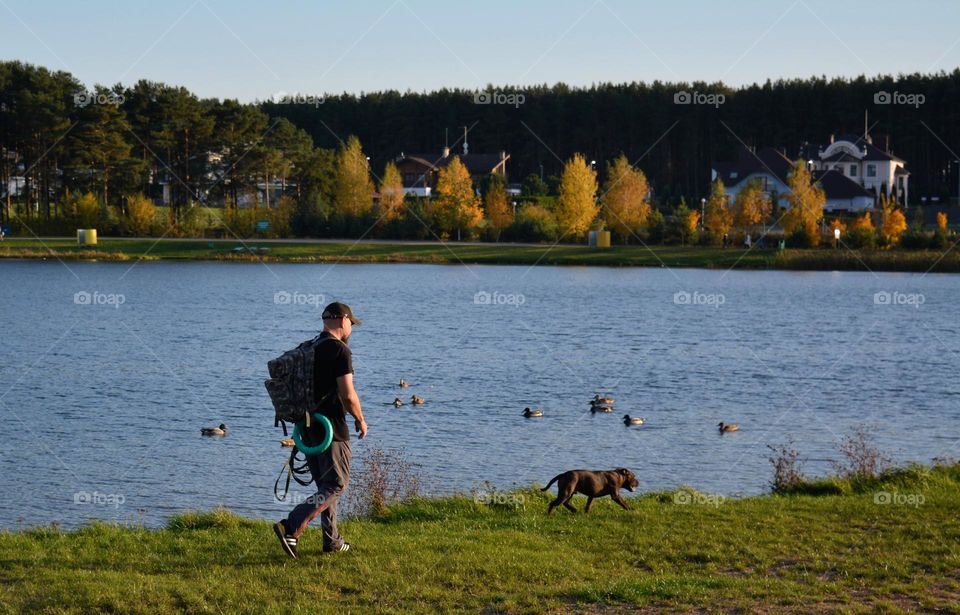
(344, 547)
(288, 543)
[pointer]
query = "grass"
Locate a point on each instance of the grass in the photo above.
(453, 253)
(793, 553)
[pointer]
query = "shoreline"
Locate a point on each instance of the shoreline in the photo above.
(380, 251)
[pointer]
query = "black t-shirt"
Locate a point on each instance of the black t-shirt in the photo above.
(332, 359)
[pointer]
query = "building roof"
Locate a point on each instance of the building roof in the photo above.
(477, 164)
(836, 185)
(871, 152)
(766, 160)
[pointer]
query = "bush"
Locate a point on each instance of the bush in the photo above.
(861, 238)
(787, 473)
(536, 223)
(140, 216)
(386, 477)
(862, 460)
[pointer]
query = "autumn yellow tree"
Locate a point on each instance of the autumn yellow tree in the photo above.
(391, 193)
(625, 205)
(752, 206)
(577, 204)
(942, 221)
(717, 217)
(498, 210)
(805, 202)
(456, 207)
(140, 215)
(353, 188)
(892, 221)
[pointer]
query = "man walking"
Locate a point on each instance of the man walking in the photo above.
(335, 397)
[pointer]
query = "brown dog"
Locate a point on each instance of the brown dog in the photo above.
(593, 484)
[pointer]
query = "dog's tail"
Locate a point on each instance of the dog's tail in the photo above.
(552, 480)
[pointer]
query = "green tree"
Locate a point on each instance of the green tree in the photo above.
(684, 223)
(577, 203)
(533, 186)
(98, 143)
(625, 204)
(353, 192)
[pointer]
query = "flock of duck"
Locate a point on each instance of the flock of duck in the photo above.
(599, 404)
(604, 404)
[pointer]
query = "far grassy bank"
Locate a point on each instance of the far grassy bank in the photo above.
(514, 254)
(884, 545)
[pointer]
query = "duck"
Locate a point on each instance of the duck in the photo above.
(728, 427)
(397, 402)
(403, 384)
(594, 408)
(527, 412)
(632, 420)
(214, 431)
(416, 400)
(287, 442)
(601, 401)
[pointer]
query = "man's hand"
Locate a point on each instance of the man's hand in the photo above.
(361, 427)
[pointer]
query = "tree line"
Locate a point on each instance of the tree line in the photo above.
(324, 166)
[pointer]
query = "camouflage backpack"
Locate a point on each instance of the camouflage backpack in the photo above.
(290, 385)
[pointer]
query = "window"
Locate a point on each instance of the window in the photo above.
(408, 179)
(871, 170)
(853, 170)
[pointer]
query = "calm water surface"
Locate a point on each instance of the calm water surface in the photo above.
(108, 397)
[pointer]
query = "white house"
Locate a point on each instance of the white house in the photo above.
(772, 167)
(877, 170)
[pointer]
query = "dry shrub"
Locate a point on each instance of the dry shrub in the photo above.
(787, 470)
(861, 457)
(385, 477)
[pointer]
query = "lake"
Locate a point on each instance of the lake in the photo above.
(109, 370)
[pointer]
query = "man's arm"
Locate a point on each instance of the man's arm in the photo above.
(351, 402)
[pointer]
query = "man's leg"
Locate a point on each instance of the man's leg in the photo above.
(340, 478)
(330, 483)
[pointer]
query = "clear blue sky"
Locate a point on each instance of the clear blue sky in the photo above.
(250, 50)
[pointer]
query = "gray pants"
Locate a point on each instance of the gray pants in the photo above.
(331, 474)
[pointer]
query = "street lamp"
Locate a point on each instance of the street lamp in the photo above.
(836, 238)
(703, 208)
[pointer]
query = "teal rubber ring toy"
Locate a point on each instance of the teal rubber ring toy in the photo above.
(327, 439)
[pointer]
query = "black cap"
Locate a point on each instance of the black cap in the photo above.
(340, 310)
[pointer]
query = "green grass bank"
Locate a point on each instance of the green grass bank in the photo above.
(886, 545)
(513, 254)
